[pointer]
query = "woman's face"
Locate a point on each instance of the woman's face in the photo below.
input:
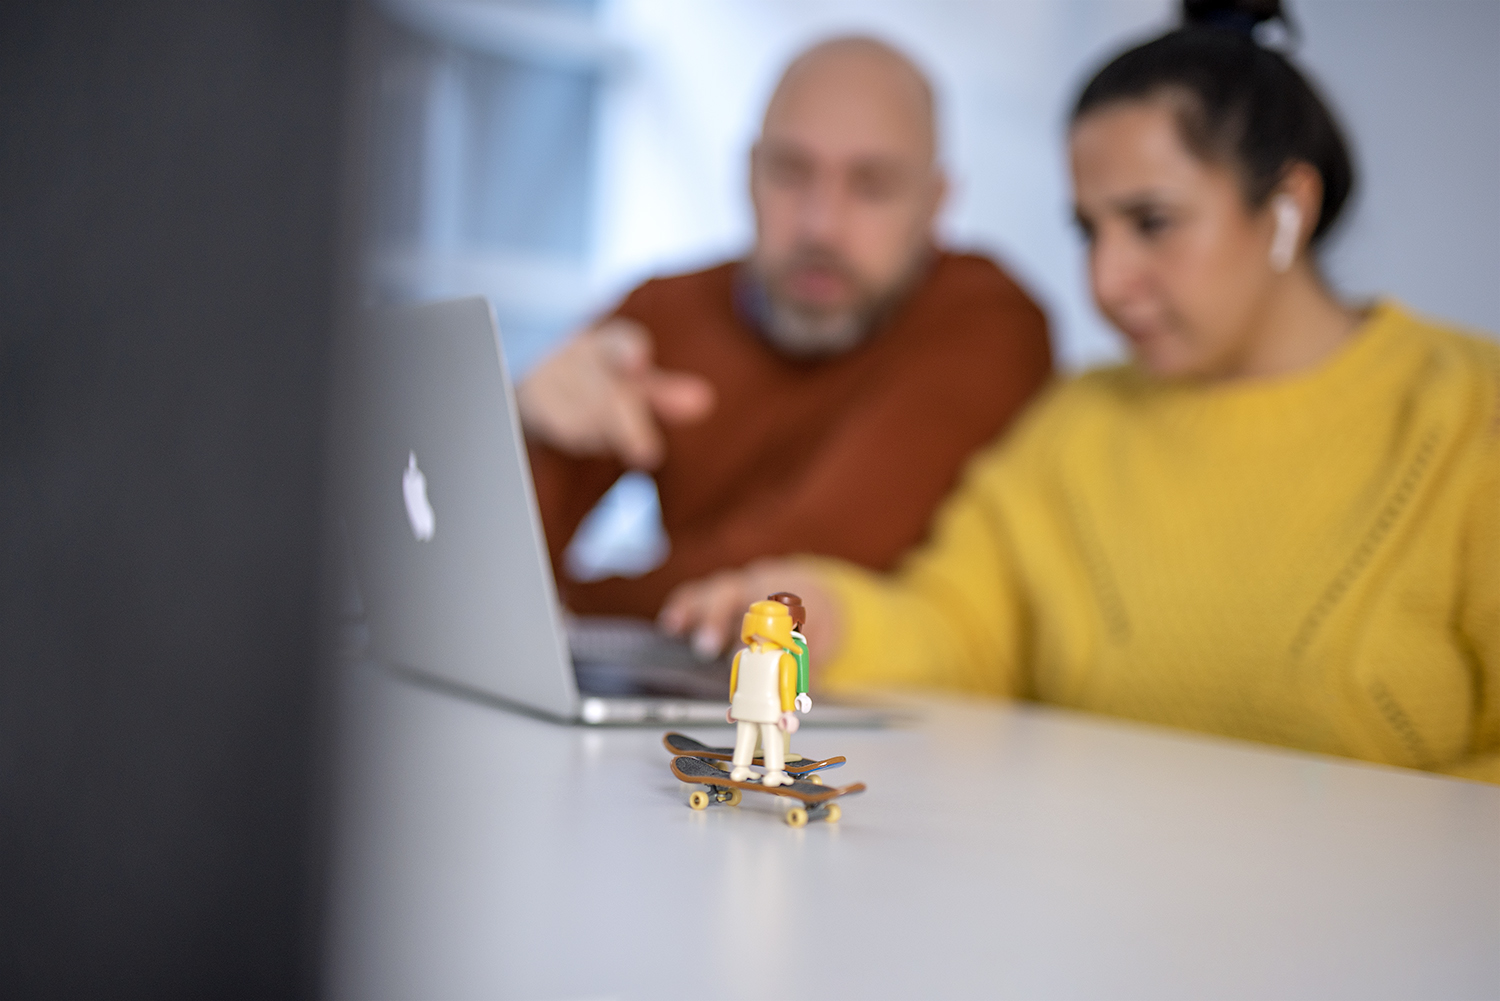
(1177, 261)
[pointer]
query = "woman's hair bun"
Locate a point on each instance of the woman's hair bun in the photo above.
(1231, 15)
(1238, 100)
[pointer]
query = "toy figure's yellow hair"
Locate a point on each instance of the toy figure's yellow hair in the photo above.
(769, 622)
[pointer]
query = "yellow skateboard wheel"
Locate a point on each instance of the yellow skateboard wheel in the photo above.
(815, 779)
(699, 800)
(796, 817)
(834, 813)
(734, 797)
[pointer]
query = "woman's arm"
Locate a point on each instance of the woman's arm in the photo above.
(951, 616)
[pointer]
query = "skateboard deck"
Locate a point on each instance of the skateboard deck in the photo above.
(684, 745)
(816, 798)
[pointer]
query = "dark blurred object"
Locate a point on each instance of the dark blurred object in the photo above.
(168, 231)
(1245, 17)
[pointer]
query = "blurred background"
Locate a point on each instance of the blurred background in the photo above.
(551, 154)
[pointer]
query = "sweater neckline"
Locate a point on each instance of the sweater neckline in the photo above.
(1350, 362)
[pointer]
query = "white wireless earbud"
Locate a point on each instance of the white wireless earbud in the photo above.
(1288, 229)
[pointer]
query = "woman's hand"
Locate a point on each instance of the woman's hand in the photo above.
(709, 609)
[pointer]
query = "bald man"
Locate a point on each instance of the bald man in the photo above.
(819, 396)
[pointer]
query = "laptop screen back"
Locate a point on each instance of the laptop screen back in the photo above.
(435, 493)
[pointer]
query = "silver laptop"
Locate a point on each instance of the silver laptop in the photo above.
(454, 581)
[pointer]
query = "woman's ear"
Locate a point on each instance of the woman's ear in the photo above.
(1285, 240)
(1294, 206)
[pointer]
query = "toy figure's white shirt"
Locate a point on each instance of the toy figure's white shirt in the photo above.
(757, 697)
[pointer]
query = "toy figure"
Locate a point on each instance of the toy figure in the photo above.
(763, 691)
(799, 619)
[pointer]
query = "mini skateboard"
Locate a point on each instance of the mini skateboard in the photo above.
(723, 789)
(686, 746)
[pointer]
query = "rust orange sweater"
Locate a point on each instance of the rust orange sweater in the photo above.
(843, 457)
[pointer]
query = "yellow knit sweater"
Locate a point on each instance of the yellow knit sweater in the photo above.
(1312, 561)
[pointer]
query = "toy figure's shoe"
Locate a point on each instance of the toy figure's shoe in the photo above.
(742, 773)
(776, 779)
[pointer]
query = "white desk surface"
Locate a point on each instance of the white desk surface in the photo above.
(999, 852)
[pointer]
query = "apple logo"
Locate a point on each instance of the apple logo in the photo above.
(418, 509)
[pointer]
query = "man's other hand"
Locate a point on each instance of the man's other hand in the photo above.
(602, 394)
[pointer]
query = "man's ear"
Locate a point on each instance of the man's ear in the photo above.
(937, 198)
(754, 165)
(752, 177)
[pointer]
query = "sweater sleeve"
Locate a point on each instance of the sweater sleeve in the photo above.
(567, 487)
(953, 616)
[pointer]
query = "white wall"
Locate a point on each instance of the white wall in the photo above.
(1418, 87)
(1417, 83)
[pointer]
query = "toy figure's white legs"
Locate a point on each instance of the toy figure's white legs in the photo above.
(786, 748)
(771, 746)
(744, 750)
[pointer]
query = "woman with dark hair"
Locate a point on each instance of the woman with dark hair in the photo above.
(1280, 522)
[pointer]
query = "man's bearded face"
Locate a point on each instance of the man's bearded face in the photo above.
(817, 303)
(845, 191)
